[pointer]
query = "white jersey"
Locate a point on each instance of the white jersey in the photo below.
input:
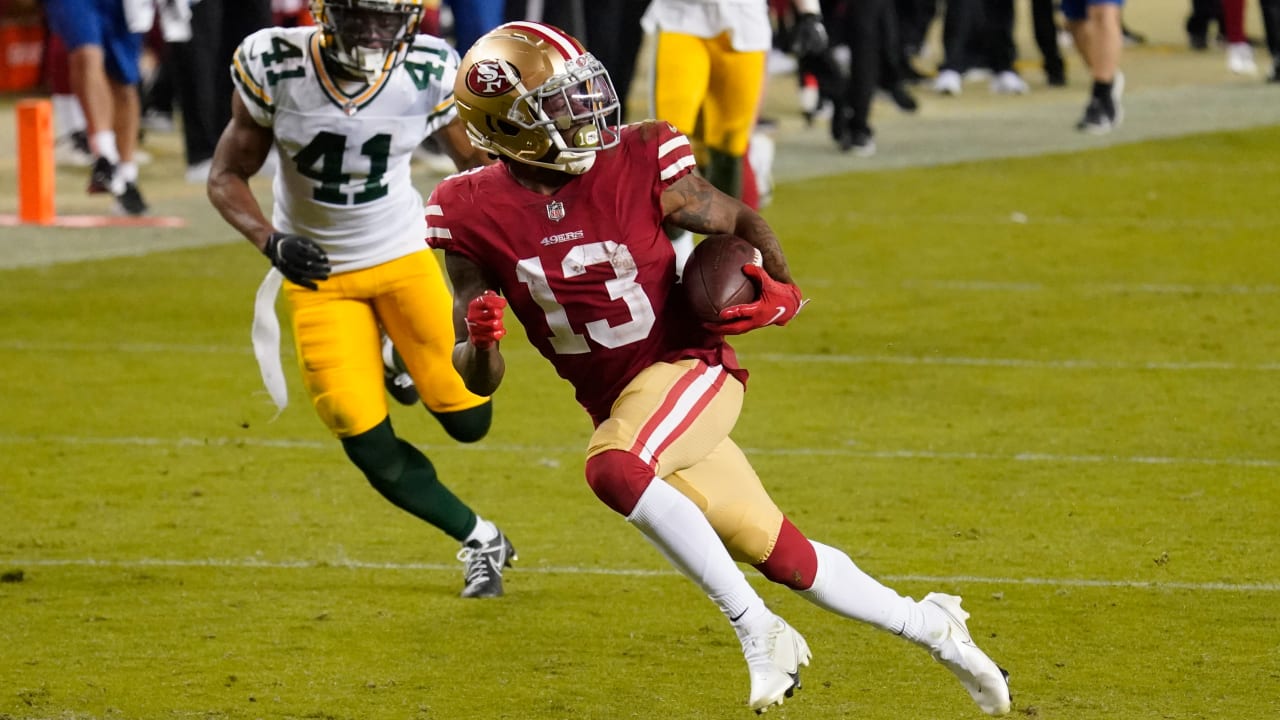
(344, 149)
(746, 21)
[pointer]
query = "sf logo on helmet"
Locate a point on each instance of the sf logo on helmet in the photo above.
(492, 77)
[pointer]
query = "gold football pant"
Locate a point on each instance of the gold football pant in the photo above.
(695, 76)
(677, 418)
(336, 334)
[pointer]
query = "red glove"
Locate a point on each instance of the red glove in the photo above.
(484, 320)
(778, 303)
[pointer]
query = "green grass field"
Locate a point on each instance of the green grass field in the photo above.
(1049, 385)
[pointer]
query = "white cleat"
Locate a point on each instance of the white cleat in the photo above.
(987, 683)
(1240, 59)
(948, 82)
(774, 659)
(1009, 83)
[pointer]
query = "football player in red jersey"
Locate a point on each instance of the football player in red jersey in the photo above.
(567, 229)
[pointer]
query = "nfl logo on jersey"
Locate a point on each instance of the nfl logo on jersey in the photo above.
(555, 210)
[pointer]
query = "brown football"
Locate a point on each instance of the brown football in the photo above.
(713, 279)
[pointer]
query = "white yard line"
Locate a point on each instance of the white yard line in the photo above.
(258, 563)
(544, 450)
(780, 358)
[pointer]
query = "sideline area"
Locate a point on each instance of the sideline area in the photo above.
(1171, 91)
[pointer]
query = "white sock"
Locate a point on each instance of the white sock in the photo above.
(842, 588)
(103, 143)
(128, 171)
(675, 525)
(67, 115)
(683, 244)
(484, 531)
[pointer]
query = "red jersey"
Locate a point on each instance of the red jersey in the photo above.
(588, 271)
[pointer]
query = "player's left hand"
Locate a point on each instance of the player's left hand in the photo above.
(778, 303)
(484, 320)
(809, 36)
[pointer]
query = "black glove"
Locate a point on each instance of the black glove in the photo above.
(809, 36)
(298, 258)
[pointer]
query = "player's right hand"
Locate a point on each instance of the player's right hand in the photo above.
(298, 258)
(484, 320)
(778, 303)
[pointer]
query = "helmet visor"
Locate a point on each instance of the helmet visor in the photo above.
(582, 103)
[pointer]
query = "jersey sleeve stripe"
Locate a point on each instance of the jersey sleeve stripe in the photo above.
(442, 109)
(672, 144)
(439, 232)
(253, 90)
(435, 210)
(676, 167)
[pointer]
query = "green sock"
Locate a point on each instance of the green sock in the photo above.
(404, 476)
(725, 172)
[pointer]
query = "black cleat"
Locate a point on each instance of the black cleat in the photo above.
(101, 175)
(1096, 120)
(130, 202)
(395, 376)
(483, 564)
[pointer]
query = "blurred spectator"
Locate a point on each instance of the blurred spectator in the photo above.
(291, 13)
(1271, 26)
(613, 34)
(1096, 27)
(473, 18)
(709, 76)
(204, 84)
(70, 130)
(1203, 14)
(103, 47)
(1044, 27)
(978, 34)
(914, 19)
(870, 54)
(1239, 52)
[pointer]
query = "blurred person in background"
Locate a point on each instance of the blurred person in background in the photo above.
(1271, 26)
(473, 18)
(103, 48)
(708, 78)
(1096, 27)
(873, 60)
(70, 129)
(1044, 28)
(978, 35)
(1204, 14)
(344, 103)
(1239, 52)
(200, 70)
(613, 34)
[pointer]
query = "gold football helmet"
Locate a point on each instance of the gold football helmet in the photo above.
(531, 92)
(367, 37)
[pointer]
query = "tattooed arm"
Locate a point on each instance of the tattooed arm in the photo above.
(696, 205)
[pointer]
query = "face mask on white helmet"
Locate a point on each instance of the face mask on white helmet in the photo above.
(366, 40)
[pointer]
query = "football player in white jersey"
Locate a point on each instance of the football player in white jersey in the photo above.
(344, 103)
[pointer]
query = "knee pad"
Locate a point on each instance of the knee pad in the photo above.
(468, 425)
(793, 562)
(618, 478)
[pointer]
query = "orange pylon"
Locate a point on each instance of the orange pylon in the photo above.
(35, 162)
